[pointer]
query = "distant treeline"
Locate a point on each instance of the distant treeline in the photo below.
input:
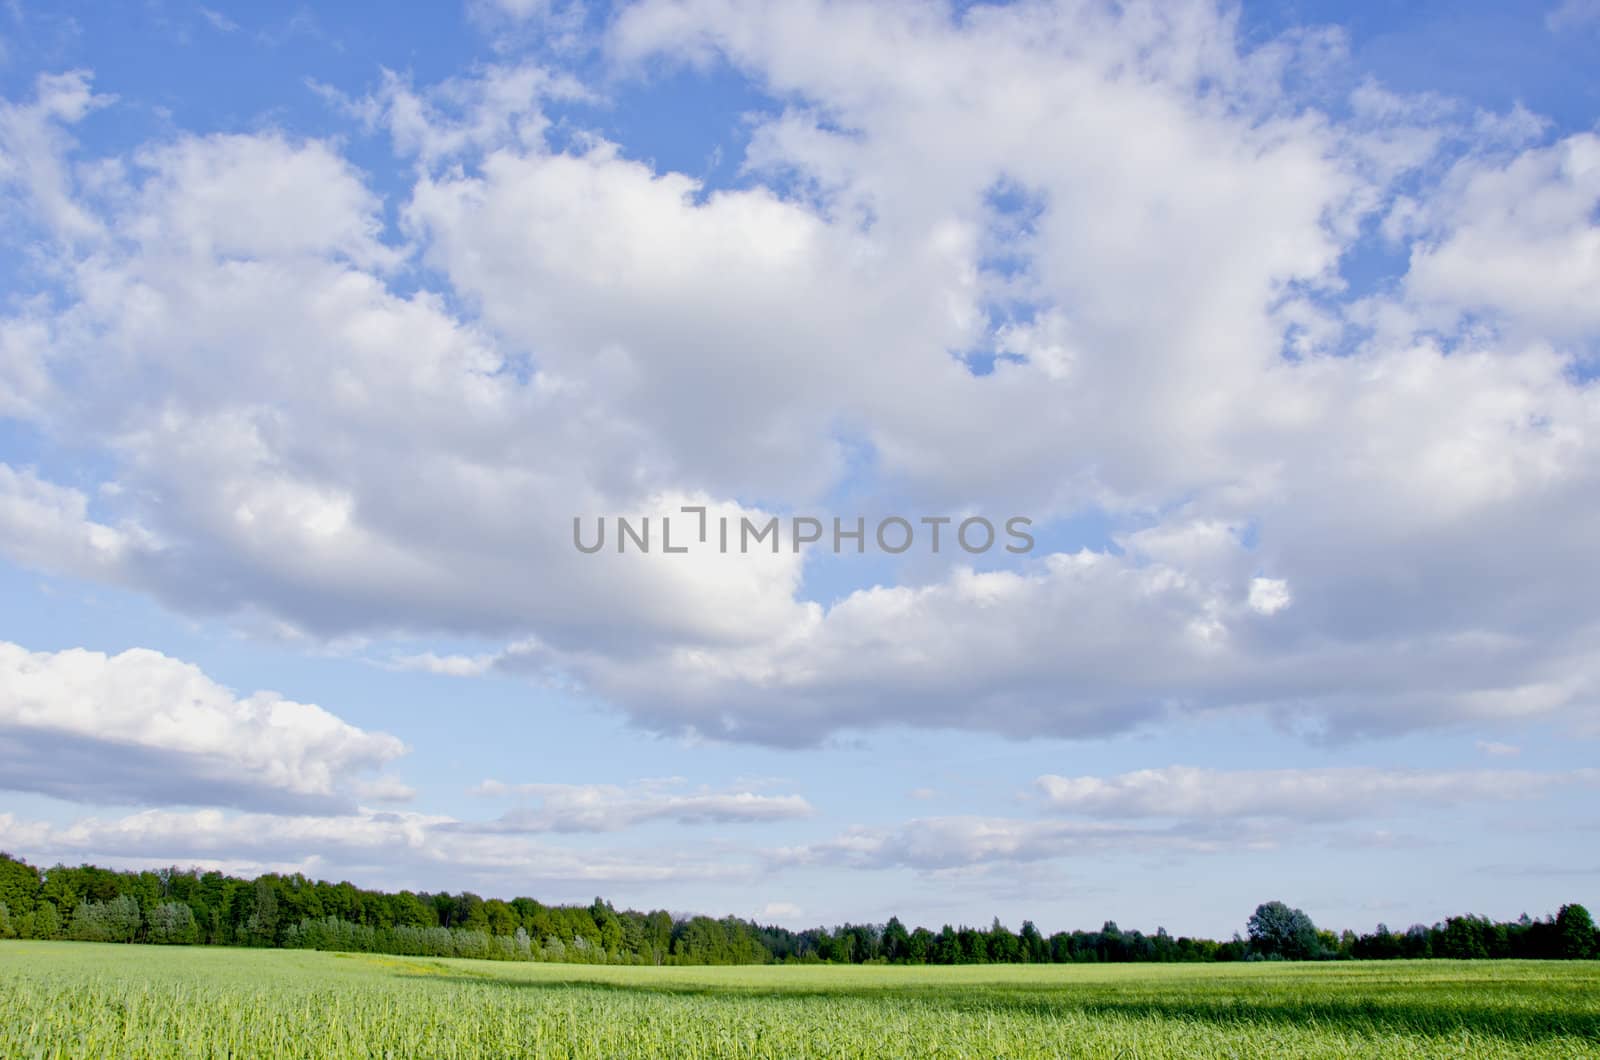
(189, 907)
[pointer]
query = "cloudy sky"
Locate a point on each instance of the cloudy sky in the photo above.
(1281, 322)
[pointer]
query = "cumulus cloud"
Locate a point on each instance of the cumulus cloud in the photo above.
(611, 807)
(497, 108)
(1308, 495)
(49, 526)
(1515, 238)
(140, 727)
(253, 197)
(34, 146)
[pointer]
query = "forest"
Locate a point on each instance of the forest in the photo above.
(189, 907)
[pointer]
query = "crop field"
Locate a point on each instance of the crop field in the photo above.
(85, 1000)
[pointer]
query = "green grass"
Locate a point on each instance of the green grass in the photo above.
(83, 1000)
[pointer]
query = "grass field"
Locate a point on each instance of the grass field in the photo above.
(62, 999)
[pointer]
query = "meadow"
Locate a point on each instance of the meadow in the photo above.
(64, 999)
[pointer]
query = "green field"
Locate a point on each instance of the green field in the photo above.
(60, 999)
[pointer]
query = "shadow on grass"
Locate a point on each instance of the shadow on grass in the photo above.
(1512, 1019)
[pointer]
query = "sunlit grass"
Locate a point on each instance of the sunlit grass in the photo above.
(76, 999)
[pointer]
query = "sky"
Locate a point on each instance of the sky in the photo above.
(1279, 323)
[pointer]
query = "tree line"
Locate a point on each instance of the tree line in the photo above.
(189, 907)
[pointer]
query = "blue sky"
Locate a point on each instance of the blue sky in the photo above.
(1277, 320)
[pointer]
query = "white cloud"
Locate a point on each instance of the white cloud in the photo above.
(385, 789)
(500, 107)
(145, 728)
(782, 911)
(1029, 98)
(1192, 793)
(33, 152)
(290, 375)
(1495, 749)
(392, 849)
(297, 441)
(1175, 811)
(611, 807)
(24, 379)
(1086, 644)
(445, 665)
(946, 844)
(49, 526)
(1268, 596)
(1515, 238)
(253, 197)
